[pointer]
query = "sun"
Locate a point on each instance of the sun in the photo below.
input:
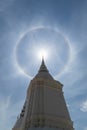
(42, 54)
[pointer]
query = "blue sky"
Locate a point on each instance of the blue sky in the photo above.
(58, 26)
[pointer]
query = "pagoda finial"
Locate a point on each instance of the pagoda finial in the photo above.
(43, 66)
(43, 59)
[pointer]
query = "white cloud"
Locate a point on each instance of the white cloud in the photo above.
(84, 107)
(85, 128)
(8, 112)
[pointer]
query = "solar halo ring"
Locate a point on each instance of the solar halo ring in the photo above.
(48, 28)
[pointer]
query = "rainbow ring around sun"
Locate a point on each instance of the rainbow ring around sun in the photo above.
(46, 42)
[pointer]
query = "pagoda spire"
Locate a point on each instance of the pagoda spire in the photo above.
(43, 71)
(43, 67)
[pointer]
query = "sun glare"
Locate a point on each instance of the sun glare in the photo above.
(42, 54)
